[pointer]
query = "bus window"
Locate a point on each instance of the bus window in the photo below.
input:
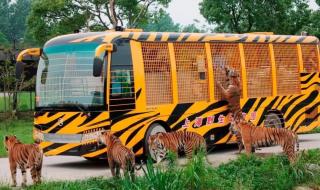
(66, 80)
(224, 54)
(287, 66)
(157, 73)
(310, 57)
(192, 74)
(258, 68)
(122, 95)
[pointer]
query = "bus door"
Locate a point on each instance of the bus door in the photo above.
(121, 96)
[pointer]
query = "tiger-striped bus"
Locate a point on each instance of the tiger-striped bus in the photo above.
(139, 83)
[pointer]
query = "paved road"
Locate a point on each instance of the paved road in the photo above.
(72, 168)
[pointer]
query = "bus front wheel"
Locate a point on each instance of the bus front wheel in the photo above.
(153, 129)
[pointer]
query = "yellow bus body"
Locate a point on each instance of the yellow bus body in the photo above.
(175, 76)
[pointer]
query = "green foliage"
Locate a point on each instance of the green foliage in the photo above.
(52, 18)
(13, 15)
(21, 128)
(278, 16)
(314, 23)
(161, 22)
(3, 40)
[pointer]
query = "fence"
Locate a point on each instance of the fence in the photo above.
(25, 101)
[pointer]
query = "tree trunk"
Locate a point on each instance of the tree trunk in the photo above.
(113, 13)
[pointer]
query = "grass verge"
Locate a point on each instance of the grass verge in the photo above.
(21, 128)
(315, 130)
(244, 173)
(25, 101)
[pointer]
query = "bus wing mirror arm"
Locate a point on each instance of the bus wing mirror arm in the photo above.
(99, 57)
(19, 61)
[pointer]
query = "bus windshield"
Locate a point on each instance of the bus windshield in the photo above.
(65, 79)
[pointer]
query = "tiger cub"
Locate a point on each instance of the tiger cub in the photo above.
(262, 136)
(161, 143)
(24, 156)
(118, 155)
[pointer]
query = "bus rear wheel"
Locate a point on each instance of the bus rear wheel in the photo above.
(153, 129)
(273, 120)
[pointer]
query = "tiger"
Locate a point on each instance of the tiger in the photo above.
(118, 155)
(264, 136)
(188, 142)
(234, 120)
(24, 156)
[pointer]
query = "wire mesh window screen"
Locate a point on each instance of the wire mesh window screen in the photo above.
(310, 57)
(192, 72)
(258, 68)
(224, 54)
(68, 80)
(157, 73)
(287, 66)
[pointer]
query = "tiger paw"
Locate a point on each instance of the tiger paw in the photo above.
(23, 185)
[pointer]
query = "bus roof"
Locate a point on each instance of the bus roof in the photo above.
(107, 37)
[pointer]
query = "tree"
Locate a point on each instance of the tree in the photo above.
(13, 15)
(192, 28)
(160, 22)
(278, 16)
(314, 25)
(3, 40)
(55, 17)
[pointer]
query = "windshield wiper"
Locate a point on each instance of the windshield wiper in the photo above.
(80, 107)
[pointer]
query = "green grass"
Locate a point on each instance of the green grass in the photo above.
(21, 128)
(315, 130)
(24, 103)
(244, 173)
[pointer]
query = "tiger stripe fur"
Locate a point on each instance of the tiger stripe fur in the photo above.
(188, 142)
(118, 155)
(24, 156)
(263, 136)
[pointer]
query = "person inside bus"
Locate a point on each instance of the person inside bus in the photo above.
(232, 93)
(312, 59)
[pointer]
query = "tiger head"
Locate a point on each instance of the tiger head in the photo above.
(105, 138)
(157, 149)
(9, 141)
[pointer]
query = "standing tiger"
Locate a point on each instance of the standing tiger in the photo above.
(24, 156)
(161, 143)
(118, 155)
(262, 136)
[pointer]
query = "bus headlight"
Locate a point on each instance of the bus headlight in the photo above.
(93, 136)
(38, 135)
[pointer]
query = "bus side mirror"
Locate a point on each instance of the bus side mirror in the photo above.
(99, 57)
(20, 65)
(97, 66)
(19, 69)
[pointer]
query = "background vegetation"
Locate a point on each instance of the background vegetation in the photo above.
(26, 23)
(21, 128)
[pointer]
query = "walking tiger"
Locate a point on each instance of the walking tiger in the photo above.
(24, 156)
(264, 136)
(186, 141)
(118, 155)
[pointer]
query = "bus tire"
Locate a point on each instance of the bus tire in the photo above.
(153, 129)
(274, 120)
